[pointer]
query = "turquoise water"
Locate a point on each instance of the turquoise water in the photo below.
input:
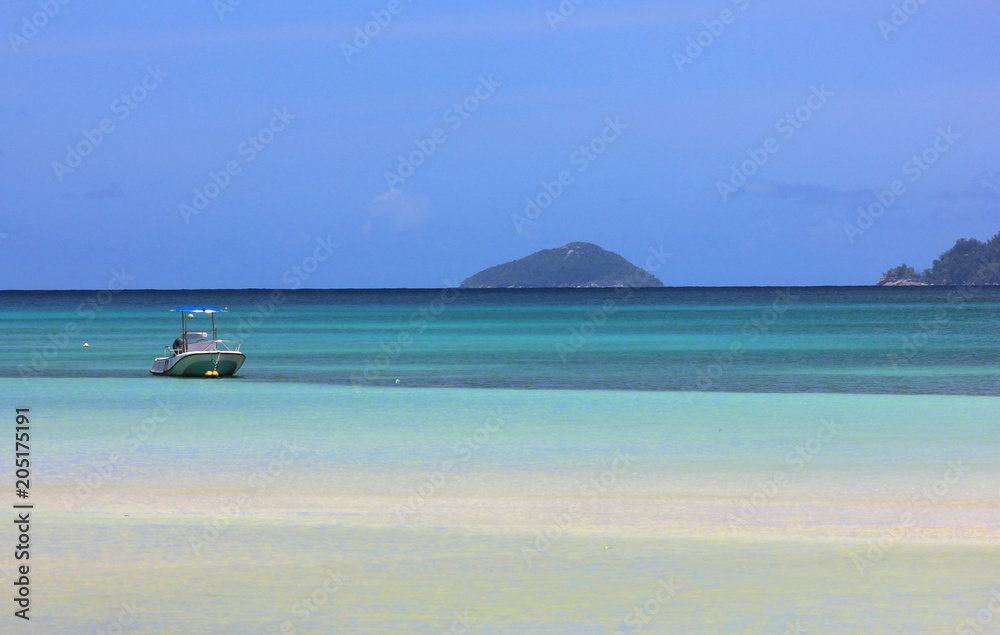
(529, 471)
(847, 340)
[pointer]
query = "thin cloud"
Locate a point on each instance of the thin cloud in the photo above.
(984, 189)
(806, 194)
(398, 211)
(112, 191)
(586, 18)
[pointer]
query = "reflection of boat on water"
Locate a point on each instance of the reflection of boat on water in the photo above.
(195, 354)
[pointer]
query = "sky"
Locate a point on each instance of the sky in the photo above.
(397, 143)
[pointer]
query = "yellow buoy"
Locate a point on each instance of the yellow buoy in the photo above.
(86, 345)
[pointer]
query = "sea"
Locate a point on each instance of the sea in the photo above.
(679, 460)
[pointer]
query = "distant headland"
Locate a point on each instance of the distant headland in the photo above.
(576, 265)
(969, 263)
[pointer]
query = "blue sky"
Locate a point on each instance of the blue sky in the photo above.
(494, 103)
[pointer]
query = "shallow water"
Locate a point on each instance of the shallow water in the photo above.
(811, 483)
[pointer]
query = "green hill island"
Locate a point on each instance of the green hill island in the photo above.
(969, 263)
(576, 265)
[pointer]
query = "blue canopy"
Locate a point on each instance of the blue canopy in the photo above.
(198, 309)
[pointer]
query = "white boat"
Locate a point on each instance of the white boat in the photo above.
(195, 354)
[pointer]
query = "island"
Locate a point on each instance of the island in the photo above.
(576, 265)
(969, 263)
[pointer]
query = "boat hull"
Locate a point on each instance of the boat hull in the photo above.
(197, 364)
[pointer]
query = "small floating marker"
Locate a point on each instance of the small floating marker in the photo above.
(397, 381)
(211, 373)
(86, 345)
